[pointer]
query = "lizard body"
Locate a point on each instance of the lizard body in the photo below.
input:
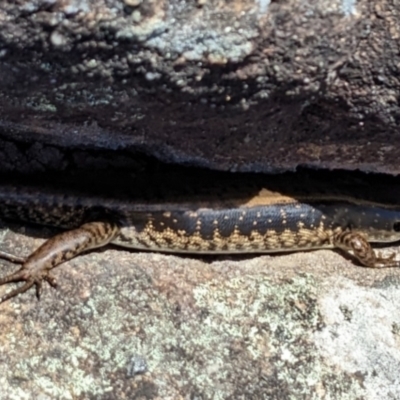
(254, 218)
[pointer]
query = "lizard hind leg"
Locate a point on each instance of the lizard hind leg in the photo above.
(24, 274)
(17, 276)
(355, 242)
(55, 251)
(12, 258)
(17, 291)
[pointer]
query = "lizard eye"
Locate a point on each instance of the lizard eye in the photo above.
(396, 226)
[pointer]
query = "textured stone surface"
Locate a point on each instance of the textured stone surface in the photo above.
(242, 85)
(151, 326)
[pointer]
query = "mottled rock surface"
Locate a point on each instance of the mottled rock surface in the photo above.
(241, 85)
(151, 326)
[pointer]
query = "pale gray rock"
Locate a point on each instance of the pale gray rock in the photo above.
(304, 325)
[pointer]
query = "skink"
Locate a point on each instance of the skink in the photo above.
(253, 218)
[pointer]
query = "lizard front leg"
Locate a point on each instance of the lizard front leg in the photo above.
(362, 250)
(60, 248)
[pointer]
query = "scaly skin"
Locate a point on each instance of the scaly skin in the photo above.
(249, 220)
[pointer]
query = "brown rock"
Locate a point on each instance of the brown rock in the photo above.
(262, 86)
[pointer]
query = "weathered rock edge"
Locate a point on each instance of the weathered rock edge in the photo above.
(240, 85)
